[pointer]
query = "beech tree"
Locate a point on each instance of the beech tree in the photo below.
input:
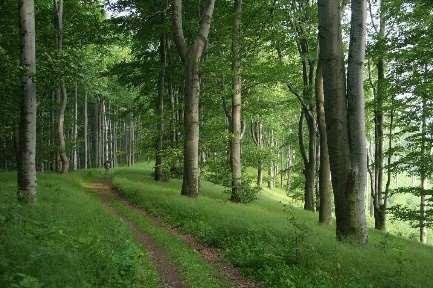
(61, 94)
(236, 105)
(345, 115)
(27, 129)
(191, 58)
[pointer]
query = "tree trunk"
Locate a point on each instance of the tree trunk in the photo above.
(356, 119)
(61, 92)
(26, 172)
(64, 160)
(289, 169)
(191, 57)
(325, 208)
(379, 205)
(309, 161)
(75, 151)
(423, 174)
(236, 105)
(86, 153)
(159, 174)
(344, 113)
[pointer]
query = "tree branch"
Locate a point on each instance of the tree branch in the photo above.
(179, 38)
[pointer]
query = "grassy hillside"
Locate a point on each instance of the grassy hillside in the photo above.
(66, 240)
(278, 244)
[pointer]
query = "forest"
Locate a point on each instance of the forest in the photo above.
(216, 143)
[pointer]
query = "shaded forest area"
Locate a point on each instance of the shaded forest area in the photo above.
(320, 104)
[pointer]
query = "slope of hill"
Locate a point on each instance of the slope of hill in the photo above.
(275, 243)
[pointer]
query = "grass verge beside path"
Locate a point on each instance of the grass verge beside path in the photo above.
(66, 240)
(277, 244)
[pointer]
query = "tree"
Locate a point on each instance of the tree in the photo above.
(345, 115)
(62, 97)
(325, 189)
(27, 131)
(191, 58)
(236, 125)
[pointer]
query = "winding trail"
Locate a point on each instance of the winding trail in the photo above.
(168, 272)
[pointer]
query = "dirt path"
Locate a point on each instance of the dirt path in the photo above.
(211, 255)
(167, 271)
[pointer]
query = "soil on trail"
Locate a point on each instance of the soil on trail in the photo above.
(168, 272)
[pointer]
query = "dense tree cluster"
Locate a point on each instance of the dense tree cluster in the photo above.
(329, 100)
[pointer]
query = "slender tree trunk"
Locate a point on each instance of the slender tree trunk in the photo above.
(379, 205)
(86, 153)
(159, 174)
(325, 192)
(191, 57)
(26, 172)
(423, 206)
(344, 113)
(309, 161)
(289, 170)
(131, 142)
(62, 95)
(115, 143)
(75, 151)
(236, 105)
(64, 160)
(257, 136)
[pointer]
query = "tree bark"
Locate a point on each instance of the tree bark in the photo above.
(86, 153)
(379, 205)
(423, 174)
(344, 111)
(159, 174)
(75, 151)
(325, 192)
(61, 93)
(26, 172)
(236, 105)
(309, 161)
(191, 57)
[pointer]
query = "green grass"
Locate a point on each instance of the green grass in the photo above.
(66, 240)
(278, 244)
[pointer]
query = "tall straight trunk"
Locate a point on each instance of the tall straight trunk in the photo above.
(384, 206)
(356, 120)
(61, 92)
(75, 151)
(378, 200)
(325, 192)
(159, 174)
(115, 143)
(62, 97)
(131, 142)
(422, 210)
(191, 57)
(257, 136)
(423, 175)
(236, 105)
(26, 172)
(344, 111)
(309, 160)
(96, 133)
(289, 169)
(86, 152)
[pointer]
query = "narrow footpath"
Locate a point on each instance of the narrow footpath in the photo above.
(170, 276)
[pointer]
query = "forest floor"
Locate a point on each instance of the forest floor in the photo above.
(89, 229)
